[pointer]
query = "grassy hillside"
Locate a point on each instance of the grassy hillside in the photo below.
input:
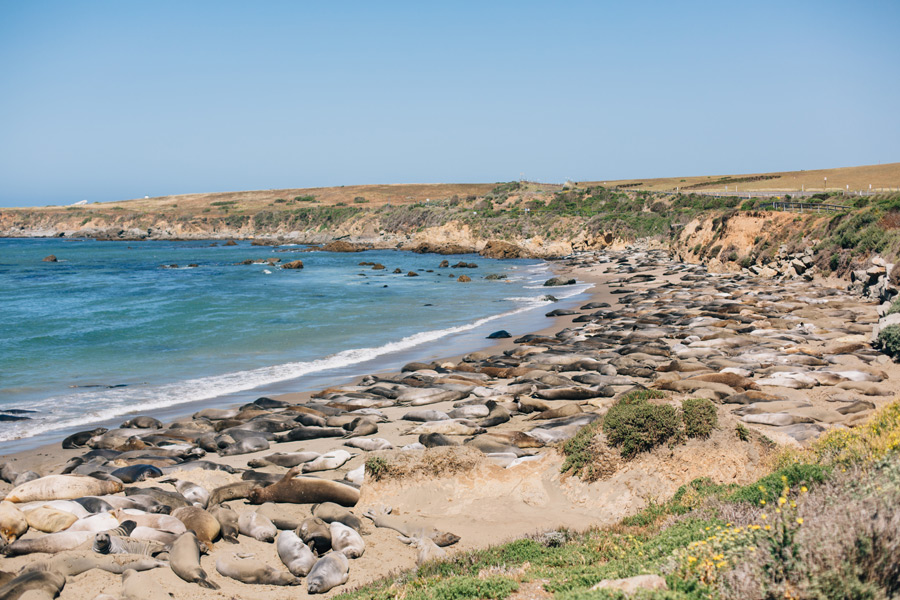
(823, 524)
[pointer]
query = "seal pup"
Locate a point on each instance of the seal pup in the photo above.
(104, 543)
(426, 549)
(295, 555)
(249, 570)
(316, 533)
(142, 422)
(305, 490)
(193, 493)
(136, 473)
(330, 512)
(184, 558)
(80, 439)
(346, 540)
(48, 519)
(135, 587)
(369, 444)
(48, 544)
(257, 526)
(497, 414)
(228, 522)
(330, 571)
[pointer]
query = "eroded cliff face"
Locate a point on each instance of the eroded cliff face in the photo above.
(365, 227)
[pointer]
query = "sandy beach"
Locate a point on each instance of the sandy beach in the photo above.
(795, 350)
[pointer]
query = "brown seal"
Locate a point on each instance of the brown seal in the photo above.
(305, 490)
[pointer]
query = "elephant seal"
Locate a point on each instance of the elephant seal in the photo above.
(425, 415)
(171, 499)
(426, 549)
(330, 571)
(104, 543)
(95, 505)
(447, 427)
(95, 523)
(80, 439)
(331, 512)
(567, 410)
(305, 490)
(142, 422)
(193, 493)
(303, 433)
(136, 473)
(228, 522)
(369, 444)
(497, 415)
(48, 544)
(184, 558)
(361, 426)
(257, 526)
(433, 440)
(13, 523)
(346, 540)
(62, 487)
(156, 521)
(295, 555)
(283, 459)
(49, 520)
(315, 533)
(326, 462)
(46, 583)
(248, 570)
(381, 518)
(232, 491)
(245, 446)
(204, 525)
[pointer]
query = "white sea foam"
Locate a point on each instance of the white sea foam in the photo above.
(90, 406)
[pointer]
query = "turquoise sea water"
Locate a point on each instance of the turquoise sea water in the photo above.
(106, 331)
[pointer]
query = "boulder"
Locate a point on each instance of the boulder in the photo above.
(294, 264)
(464, 279)
(378, 267)
(50, 258)
(342, 246)
(412, 274)
(230, 243)
(500, 249)
(444, 264)
(431, 248)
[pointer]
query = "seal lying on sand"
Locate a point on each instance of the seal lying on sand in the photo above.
(249, 570)
(381, 518)
(184, 559)
(295, 555)
(62, 487)
(330, 571)
(305, 490)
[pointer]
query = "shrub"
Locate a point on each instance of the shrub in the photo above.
(307, 198)
(699, 416)
(889, 339)
(377, 467)
(635, 425)
(359, 200)
(746, 262)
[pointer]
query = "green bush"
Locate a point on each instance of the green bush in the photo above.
(770, 487)
(699, 416)
(889, 339)
(635, 425)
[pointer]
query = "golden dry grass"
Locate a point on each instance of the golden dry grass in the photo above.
(858, 178)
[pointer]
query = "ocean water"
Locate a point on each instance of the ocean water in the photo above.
(107, 331)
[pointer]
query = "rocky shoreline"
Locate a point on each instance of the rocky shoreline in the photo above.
(466, 451)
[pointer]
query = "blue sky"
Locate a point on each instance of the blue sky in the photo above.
(115, 100)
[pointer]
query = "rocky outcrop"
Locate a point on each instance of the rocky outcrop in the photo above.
(501, 249)
(51, 258)
(433, 248)
(294, 264)
(344, 246)
(785, 265)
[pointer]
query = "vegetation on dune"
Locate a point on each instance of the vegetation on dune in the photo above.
(823, 525)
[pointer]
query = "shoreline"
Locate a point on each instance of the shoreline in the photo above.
(486, 503)
(473, 340)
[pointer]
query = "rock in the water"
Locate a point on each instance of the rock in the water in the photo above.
(50, 258)
(294, 264)
(464, 278)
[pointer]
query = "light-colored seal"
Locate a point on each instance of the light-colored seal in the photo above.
(184, 559)
(203, 524)
(13, 523)
(192, 492)
(49, 544)
(250, 570)
(426, 549)
(135, 587)
(305, 490)
(295, 555)
(62, 487)
(104, 543)
(48, 519)
(48, 583)
(330, 571)
(142, 422)
(328, 461)
(283, 459)
(156, 521)
(257, 526)
(381, 518)
(369, 444)
(346, 540)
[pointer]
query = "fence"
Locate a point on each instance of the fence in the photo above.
(804, 206)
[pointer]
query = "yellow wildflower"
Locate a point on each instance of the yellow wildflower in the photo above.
(762, 502)
(799, 520)
(803, 489)
(767, 527)
(692, 559)
(782, 500)
(764, 516)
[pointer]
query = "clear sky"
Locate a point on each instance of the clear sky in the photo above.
(109, 100)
